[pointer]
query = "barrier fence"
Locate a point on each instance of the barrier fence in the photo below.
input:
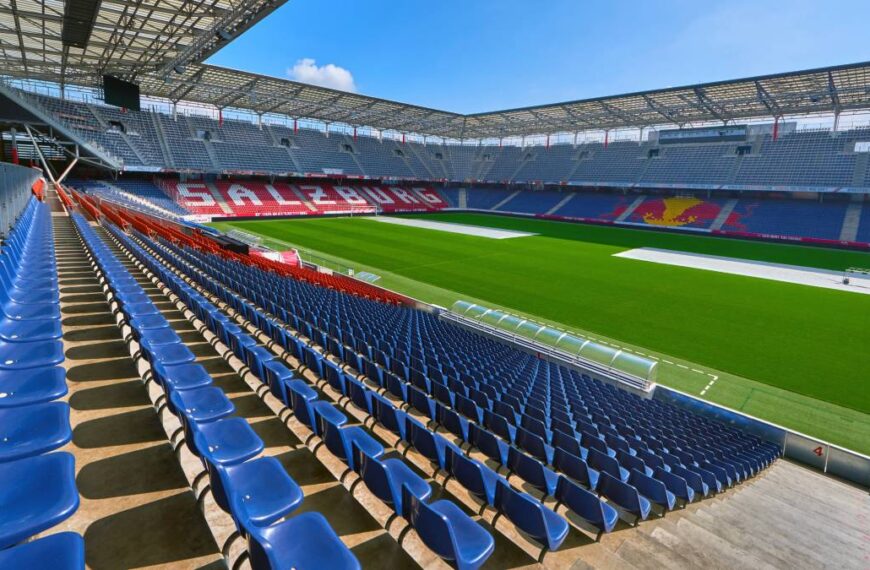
(16, 183)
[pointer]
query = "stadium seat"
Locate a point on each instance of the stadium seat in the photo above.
(36, 493)
(623, 495)
(431, 445)
(448, 531)
(60, 551)
(259, 490)
(530, 516)
(305, 542)
(532, 471)
(386, 478)
(652, 489)
(32, 386)
(228, 441)
(33, 430)
(476, 477)
(586, 505)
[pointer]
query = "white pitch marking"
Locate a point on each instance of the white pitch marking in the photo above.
(477, 231)
(823, 278)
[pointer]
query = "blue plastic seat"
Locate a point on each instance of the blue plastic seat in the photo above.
(168, 354)
(476, 477)
(205, 404)
(675, 484)
(32, 386)
(604, 463)
(24, 355)
(500, 425)
(385, 478)
(61, 551)
(359, 395)
(307, 408)
(181, 376)
(535, 445)
(228, 441)
(421, 402)
(575, 468)
(303, 542)
(452, 422)
(491, 446)
(586, 505)
(695, 481)
(529, 515)
(277, 376)
(33, 430)
(388, 415)
(30, 330)
(624, 495)
(35, 494)
(449, 532)
(532, 471)
(260, 489)
(652, 489)
(431, 445)
(256, 357)
(340, 440)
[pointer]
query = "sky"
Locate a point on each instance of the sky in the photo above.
(471, 56)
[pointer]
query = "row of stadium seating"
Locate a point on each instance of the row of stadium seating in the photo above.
(152, 140)
(569, 427)
(37, 487)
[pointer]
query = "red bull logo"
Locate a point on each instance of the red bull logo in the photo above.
(676, 212)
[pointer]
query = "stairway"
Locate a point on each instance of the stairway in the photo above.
(862, 167)
(462, 199)
(561, 203)
(506, 200)
(851, 221)
(723, 215)
(788, 517)
(135, 502)
(219, 199)
(631, 208)
(161, 138)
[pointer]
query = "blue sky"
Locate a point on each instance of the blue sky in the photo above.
(485, 55)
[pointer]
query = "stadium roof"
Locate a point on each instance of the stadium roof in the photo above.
(161, 43)
(73, 42)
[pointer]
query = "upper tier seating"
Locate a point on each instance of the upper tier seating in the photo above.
(798, 159)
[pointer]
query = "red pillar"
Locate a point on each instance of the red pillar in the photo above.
(606, 138)
(403, 138)
(295, 126)
(548, 142)
(354, 133)
(14, 155)
(220, 118)
(775, 128)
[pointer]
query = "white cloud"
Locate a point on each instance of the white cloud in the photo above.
(330, 75)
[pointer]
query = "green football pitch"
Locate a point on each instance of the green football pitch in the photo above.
(792, 354)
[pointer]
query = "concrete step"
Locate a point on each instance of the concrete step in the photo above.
(783, 536)
(642, 551)
(720, 551)
(778, 556)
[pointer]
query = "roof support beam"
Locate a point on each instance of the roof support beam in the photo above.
(669, 115)
(710, 106)
(767, 100)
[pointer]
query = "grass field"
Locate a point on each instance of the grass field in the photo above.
(792, 354)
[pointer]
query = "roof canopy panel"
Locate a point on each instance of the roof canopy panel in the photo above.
(160, 44)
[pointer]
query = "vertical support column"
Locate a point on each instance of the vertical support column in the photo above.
(606, 138)
(836, 121)
(775, 128)
(14, 152)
